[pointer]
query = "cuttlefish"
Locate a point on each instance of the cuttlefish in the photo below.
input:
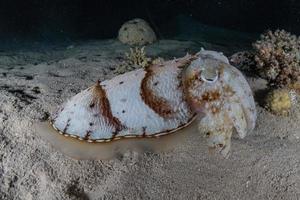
(146, 106)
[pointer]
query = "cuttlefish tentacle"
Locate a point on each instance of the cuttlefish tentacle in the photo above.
(223, 96)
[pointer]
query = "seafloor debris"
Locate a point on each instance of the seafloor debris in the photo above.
(20, 93)
(279, 101)
(277, 57)
(136, 32)
(157, 101)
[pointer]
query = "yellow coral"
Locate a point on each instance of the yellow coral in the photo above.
(279, 101)
(137, 56)
(135, 59)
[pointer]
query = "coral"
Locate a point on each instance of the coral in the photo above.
(279, 101)
(137, 56)
(243, 60)
(135, 59)
(277, 58)
(136, 32)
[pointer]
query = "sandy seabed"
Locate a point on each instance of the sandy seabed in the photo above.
(264, 165)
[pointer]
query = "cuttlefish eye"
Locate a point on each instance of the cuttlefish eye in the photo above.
(209, 75)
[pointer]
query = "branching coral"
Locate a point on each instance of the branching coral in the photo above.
(137, 56)
(135, 59)
(277, 57)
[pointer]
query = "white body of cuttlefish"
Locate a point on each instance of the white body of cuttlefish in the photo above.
(157, 101)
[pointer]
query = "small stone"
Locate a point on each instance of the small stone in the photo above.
(136, 32)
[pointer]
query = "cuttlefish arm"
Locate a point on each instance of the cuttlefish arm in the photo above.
(224, 98)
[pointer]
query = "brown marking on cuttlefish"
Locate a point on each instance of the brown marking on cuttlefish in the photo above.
(228, 91)
(158, 104)
(184, 85)
(67, 126)
(215, 109)
(211, 96)
(144, 131)
(87, 135)
(100, 99)
(188, 83)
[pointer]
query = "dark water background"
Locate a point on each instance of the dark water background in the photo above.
(54, 21)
